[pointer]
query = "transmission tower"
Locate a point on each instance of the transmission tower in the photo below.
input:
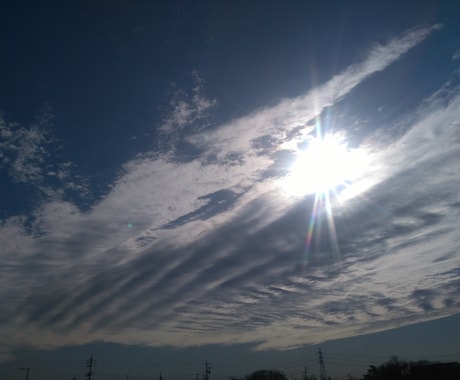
(90, 363)
(207, 370)
(322, 368)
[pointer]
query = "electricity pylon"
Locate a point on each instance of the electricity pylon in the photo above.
(89, 364)
(207, 371)
(322, 367)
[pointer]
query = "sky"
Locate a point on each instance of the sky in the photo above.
(235, 182)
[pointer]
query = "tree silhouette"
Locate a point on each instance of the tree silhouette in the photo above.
(393, 369)
(265, 374)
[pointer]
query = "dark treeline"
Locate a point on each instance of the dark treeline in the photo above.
(393, 369)
(396, 369)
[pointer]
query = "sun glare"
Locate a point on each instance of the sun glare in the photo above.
(325, 165)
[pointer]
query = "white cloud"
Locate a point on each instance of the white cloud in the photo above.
(23, 151)
(239, 135)
(27, 156)
(456, 55)
(165, 258)
(185, 111)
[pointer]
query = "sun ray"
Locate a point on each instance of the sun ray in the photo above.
(325, 166)
(321, 207)
(331, 226)
(311, 227)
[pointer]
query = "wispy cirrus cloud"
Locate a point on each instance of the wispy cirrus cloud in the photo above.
(205, 250)
(187, 115)
(23, 150)
(28, 157)
(279, 122)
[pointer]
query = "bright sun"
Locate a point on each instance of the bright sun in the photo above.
(325, 165)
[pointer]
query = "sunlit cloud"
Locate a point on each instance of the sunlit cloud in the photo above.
(208, 250)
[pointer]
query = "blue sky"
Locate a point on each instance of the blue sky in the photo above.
(212, 180)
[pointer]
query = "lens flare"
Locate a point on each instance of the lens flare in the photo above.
(326, 167)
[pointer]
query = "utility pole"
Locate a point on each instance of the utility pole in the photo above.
(207, 370)
(89, 364)
(305, 374)
(26, 369)
(322, 367)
